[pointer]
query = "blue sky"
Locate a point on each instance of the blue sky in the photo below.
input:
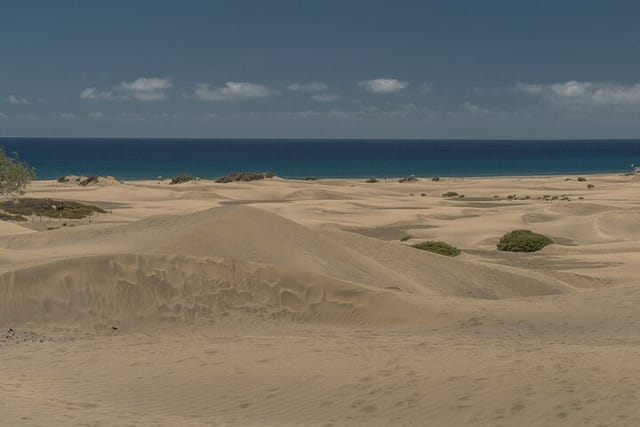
(405, 69)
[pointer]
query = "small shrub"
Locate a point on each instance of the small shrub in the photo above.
(309, 178)
(523, 241)
(423, 194)
(244, 176)
(89, 180)
(435, 179)
(62, 179)
(405, 238)
(9, 217)
(590, 186)
(371, 181)
(450, 194)
(180, 179)
(49, 208)
(581, 179)
(410, 178)
(14, 174)
(437, 247)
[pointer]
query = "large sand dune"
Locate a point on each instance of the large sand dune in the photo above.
(295, 303)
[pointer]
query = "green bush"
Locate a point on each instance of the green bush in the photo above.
(93, 179)
(180, 179)
(409, 178)
(523, 241)
(10, 217)
(450, 194)
(14, 174)
(437, 247)
(244, 176)
(48, 208)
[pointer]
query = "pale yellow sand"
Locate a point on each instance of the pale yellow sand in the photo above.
(290, 303)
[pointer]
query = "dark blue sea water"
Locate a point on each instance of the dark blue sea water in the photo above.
(296, 158)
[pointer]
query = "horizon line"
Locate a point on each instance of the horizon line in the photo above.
(331, 138)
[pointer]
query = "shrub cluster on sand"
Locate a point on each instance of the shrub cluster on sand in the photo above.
(93, 179)
(371, 181)
(49, 208)
(244, 176)
(523, 241)
(9, 217)
(437, 247)
(409, 178)
(180, 179)
(14, 174)
(450, 194)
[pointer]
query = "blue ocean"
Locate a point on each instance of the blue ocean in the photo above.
(131, 158)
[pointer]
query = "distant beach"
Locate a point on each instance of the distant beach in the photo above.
(139, 158)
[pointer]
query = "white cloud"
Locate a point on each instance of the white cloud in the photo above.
(476, 109)
(68, 116)
(308, 87)
(141, 89)
(95, 114)
(383, 85)
(14, 100)
(145, 89)
(470, 108)
(232, 91)
(325, 97)
(579, 93)
(93, 94)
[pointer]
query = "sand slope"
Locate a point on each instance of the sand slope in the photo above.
(203, 265)
(138, 291)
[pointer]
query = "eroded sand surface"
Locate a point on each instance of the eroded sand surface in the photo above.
(295, 303)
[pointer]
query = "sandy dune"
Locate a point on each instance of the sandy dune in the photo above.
(288, 303)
